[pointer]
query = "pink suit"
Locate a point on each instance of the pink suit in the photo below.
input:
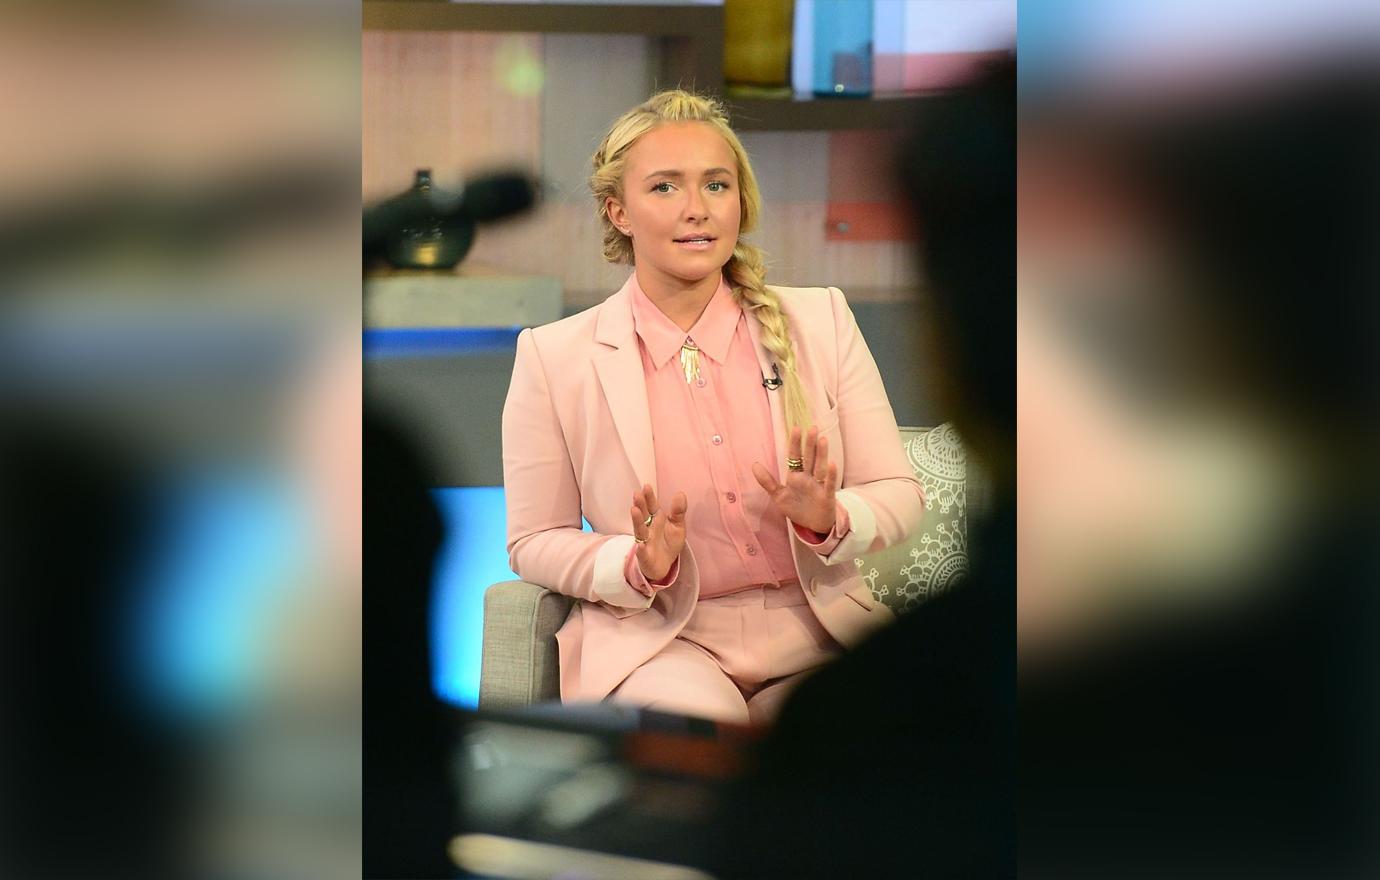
(577, 437)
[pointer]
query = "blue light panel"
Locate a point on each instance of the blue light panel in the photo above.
(473, 556)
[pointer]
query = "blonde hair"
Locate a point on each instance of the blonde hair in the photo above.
(746, 270)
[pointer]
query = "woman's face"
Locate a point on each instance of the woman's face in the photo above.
(680, 182)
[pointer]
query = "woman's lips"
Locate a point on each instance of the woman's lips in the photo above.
(696, 245)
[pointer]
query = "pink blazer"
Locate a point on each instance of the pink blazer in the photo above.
(577, 439)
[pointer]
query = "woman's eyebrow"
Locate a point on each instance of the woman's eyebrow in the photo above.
(672, 172)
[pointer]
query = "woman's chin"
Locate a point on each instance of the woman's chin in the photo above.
(695, 269)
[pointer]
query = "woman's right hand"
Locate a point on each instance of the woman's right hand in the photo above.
(664, 538)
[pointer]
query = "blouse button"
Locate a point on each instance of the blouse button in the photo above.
(752, 549)
(717, 439)
(732, 497)
(700, 382)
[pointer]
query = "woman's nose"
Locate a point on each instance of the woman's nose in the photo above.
(696, 206)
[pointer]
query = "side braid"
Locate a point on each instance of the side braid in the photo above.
(746, 271)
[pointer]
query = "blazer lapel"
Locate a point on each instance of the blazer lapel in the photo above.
(625, 387)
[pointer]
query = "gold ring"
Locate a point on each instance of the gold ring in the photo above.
(638, 540)
(795, 464)
(648, 520)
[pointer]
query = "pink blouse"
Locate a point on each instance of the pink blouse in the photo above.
(706, 435)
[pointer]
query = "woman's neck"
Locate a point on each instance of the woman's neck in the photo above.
(681, 301)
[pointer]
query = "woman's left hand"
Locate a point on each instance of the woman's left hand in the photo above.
(807, 496)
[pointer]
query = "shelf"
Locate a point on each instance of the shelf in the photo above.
(466, 296)
(691, 37)
(810, 114)
(653, 19)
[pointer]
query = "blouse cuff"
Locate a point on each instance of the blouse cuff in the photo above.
(823, 543)
(632, 573)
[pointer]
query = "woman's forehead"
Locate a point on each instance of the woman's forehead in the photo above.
(687, 147)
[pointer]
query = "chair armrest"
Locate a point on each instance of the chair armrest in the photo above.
(520, 663)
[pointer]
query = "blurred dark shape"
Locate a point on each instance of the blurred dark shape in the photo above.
(957, 167)
(429, 228)
(1276, 199)
(175, 194)
(1271, 193)
(93, 784)
(497, 195)
(898, 760)
(409, 796)
(1242, 742)
(179, 222)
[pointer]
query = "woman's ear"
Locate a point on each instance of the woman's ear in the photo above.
(617, 216)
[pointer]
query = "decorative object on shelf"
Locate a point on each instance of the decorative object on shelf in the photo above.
(757, 43)
(430, 228)
(431, 239)
(889, 47)
(842, 48)
(802, 48)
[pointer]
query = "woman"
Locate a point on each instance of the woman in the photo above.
(756, 412)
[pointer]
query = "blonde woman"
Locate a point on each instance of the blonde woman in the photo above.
(730, 444)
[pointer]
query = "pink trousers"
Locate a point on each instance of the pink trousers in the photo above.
(736, 659)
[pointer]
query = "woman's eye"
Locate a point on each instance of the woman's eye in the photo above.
(719, 183)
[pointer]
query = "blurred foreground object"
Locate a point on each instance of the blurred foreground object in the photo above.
(591, 790)
(1198, 423)
(179, 380)
(409, 795)
(898, 759)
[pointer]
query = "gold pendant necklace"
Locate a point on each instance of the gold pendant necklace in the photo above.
(690, 360)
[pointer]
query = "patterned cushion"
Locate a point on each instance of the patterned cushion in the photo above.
(905, 575)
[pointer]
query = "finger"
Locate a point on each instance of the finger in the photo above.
(650, 508)
(820, 467)
(639, 530)
(679, 504)
(793, 445)
(765, 478)
(808, 451)
(643, 509)
(831, 478)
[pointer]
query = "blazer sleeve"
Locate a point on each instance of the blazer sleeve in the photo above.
(878, 487)
(546, 544)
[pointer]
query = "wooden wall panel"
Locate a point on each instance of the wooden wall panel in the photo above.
(444, 100)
